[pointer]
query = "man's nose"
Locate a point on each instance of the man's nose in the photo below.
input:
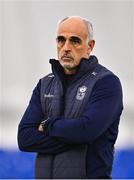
(67, 46)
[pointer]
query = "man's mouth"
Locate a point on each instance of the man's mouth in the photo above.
(66, 58)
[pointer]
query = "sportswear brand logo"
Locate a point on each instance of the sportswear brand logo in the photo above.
(48, 95)
(81, 92)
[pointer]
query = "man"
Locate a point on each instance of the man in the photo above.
(73, 115)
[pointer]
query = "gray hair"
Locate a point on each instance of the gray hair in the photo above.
(86, 22)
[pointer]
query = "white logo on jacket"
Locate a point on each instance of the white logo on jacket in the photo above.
(48, 95)
(81, 92)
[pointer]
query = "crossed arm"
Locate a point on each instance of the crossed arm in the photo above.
(104, 107)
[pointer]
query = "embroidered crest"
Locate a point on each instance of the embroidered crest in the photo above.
(81, 92)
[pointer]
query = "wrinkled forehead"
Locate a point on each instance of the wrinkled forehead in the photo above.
(72, 27)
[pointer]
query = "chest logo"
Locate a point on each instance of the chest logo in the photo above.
(81, 92)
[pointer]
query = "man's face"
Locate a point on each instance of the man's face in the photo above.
(72, 44)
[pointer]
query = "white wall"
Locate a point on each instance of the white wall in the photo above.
(28, 41)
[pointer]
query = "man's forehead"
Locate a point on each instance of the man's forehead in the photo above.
(74, 27)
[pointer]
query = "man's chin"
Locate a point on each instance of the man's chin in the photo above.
(68, 66)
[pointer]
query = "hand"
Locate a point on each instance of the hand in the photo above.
(42, 125)
(40, 128)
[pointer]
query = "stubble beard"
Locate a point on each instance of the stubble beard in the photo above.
(69, 67)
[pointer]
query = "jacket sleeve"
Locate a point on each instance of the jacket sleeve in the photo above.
(104, 107)
(29, 138)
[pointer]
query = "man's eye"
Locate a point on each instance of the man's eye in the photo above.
(61, 39)
(75, 40)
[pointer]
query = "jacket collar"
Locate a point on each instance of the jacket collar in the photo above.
(85, 66)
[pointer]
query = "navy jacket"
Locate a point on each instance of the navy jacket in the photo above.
(97, 127)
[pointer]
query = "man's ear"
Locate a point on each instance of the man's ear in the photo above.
(91, 44)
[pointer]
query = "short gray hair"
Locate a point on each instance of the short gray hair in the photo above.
(86, 22)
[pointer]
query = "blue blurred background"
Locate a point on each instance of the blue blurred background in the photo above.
(15, 164)
(27, 33)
